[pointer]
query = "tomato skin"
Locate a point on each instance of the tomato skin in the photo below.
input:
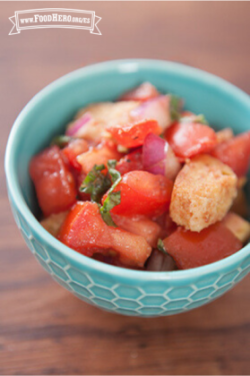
(235, 153)
(85, 231)
(141, 93)
(143, 193)
(54, 183)
(73, 149)
(192, 249)
(130, 162)
(133, 134)
(190, 139)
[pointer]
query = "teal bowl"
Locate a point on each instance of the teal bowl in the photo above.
(128, 292)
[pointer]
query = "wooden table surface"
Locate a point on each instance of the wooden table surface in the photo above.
(43, 328)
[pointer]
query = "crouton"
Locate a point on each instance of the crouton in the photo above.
(224, 135)
(238, 226)
(54, 222)
(103, 115)
(203, 193)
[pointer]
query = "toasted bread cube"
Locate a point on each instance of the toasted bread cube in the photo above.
(103, 115)
(203, 193)
(54, 222)
(239, 226)
(224, 135)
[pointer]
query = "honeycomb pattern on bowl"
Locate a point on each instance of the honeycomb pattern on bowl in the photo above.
(148, 299)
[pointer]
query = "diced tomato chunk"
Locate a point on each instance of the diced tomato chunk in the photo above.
(190, 139)
(133, 134)
(140, 225)
(143, 193)
(133, 249)
(130, 162)
(141, 93)
(54, 184)
(192, 249)
(73, 149)
(235, 153)
(96, 156)
(85, 231)
(169, 226)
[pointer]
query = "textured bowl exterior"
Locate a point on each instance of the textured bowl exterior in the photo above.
(115, 289)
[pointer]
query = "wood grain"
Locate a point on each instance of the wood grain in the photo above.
(43, 328)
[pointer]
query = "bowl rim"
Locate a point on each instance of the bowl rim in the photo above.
(123, 66)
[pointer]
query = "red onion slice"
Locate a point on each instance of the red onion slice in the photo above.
(158, 262)
(172, 164)
(156, 109)
(158, 157)
(78, 124)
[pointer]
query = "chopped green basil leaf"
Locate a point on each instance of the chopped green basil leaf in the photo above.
(113, 199)
(161, 247)
(175, 104)
(61, 141)
(96, 183)
(114, 174)
(201, 119)
(194, 119)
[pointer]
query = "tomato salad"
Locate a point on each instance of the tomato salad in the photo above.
(140, 183)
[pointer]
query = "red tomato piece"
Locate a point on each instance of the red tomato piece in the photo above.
(85, 231)
(96, 156)
(141, 93)
(54, 184)
(235, 153)
(73, 149)
(133, 134)
(143, 193)
(192, 249)
(169, 226)
(130, 162)
(133, 249)
(140, 225)
(190, 139)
